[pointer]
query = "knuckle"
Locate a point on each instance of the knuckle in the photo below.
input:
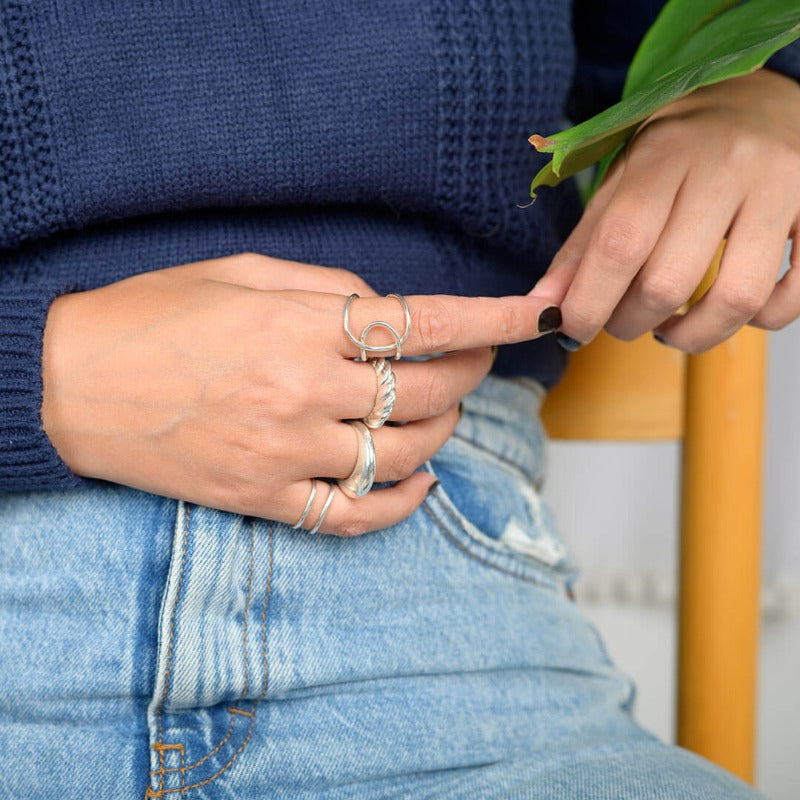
(664, 289)
(350, 282)
(354, 525)
(742, 298)
(771, 320)
(582, 318)
(433, 325)
(510, 321)
(404, 462)
(658, 137)
(437, 395)
(251, 258)
(744, 147)
(621, 241)
(241, 494)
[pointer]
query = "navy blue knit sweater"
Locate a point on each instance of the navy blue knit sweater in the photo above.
(384, 136)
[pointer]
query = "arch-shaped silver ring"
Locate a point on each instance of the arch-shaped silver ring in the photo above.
(361, 343)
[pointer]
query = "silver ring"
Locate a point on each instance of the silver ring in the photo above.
(361, 343)
(385, 394)
(307, 508)
(325, 508)
(360, 480)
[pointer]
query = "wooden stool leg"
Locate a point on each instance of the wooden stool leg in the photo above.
(720, 551)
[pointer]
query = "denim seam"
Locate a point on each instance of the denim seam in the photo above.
(494, 454)
(541, 582)
(183, 769)
(232, 709)
(159, 744)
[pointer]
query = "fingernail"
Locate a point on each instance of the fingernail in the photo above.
(550, 319)
(659, 338)
(567, 342)
(432, 488)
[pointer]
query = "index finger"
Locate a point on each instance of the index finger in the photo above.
(441, 323)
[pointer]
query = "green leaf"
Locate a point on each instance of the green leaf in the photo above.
(677, 21)
(691, 44)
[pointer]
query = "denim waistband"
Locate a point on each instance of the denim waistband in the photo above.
(502, 418)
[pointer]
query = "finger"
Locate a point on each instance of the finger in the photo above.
(443, 323)
(681, 255)
(348, 516)
(623, 238)
(748, 270)
(783, 305)
(262, 272)
(553, 285)
(399, 450)
(422, 389)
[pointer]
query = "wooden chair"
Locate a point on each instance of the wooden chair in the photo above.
(715, 402)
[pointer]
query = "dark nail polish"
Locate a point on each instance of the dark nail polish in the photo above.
(567, 342)
(432, 488)
(658, 338)
(550, 319)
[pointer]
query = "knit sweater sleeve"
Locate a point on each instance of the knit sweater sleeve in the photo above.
(606, 37)
(28, 460)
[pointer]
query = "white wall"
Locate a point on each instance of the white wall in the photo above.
(624, 532)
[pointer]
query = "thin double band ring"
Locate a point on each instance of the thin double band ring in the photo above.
(361, 343)
(328, 501)
(309, 503)
(385, 394)
(360, 480)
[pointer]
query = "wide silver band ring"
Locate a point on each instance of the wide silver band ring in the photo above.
(385, 394)
(361, 343)
(360, 480)
(328, 501)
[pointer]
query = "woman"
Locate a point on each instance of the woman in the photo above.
(170, 432)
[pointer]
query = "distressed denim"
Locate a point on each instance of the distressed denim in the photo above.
(154, 648)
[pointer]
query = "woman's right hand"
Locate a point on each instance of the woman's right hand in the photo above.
(225, 383)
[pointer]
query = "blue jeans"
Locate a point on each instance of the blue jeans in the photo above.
(153, 648)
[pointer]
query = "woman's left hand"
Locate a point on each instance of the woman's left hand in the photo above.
(721, 162)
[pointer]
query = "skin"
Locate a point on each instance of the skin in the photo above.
(721, 162)
(225, 383)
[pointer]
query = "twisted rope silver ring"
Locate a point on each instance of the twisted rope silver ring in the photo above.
(385, 394)
(361, 343)
(360, 480)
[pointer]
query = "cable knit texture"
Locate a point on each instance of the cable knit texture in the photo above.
(385, 137)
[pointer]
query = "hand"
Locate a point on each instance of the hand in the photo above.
(225, 383)
(721, 162)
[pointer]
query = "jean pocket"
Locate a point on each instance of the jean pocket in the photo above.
(492, 511)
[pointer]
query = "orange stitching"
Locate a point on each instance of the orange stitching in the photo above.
(541, 583)
(184, 769)
(205, 757)
(233, 758)
(219, 772)
(241, 711)
(161, 746)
